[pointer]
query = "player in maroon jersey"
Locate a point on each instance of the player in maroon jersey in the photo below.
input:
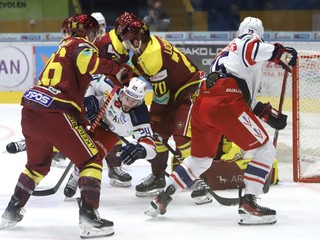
(174, 79)
(51, 116)
(110, 45)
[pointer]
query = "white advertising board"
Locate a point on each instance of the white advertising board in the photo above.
(19, 64)
(16, 67)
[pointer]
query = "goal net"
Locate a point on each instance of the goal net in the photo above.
(299, 142)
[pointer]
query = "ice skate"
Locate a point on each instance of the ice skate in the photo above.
(15, 147)
(90, 223)
(159, 205)
(118, 177)
(58, 160)
(253, 214)
(12, 214)
(71, 187)
(151, 186)
(201, 192)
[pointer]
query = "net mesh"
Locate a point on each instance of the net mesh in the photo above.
(308, 107)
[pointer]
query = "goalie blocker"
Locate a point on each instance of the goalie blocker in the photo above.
(227, 169)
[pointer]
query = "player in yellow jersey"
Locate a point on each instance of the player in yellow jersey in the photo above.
(175, 80)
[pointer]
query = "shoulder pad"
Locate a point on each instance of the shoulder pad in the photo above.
(108, 81)
(140, 115)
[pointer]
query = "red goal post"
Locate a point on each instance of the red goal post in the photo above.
(299, 142)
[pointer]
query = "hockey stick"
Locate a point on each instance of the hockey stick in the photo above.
(283, 92)
(103, 109)
(53, 190)
(276, 133)
(222, 200)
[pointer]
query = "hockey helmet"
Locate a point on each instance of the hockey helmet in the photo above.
(136, 30)
(99, 17)
(136, 89)
(124, 19)
(101, 20)
(251, 25)
(65, 28)
(85, 26)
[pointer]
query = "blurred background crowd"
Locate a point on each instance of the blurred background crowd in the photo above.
(165, 15)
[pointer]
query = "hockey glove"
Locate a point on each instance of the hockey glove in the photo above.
(131, 152)
(212, 78)
(269, 115)
(125, 73)
(91, 107)
(286, 57)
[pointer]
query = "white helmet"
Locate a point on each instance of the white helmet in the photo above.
(100, 18)
(137, 89)
(251, 25)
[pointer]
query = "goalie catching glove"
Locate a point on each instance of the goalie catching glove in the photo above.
(270, 115)
(131, 152)
(91, 107)
(286, 57)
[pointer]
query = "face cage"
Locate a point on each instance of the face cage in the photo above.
(64, 33)
(129, 46)
(92, 37)
(102, 29)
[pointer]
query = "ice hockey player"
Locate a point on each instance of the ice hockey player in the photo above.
(110, 47)
(174, 79)
(109, 44)
(56, 102)
(127, 116)
(227, 106)
(20, 146)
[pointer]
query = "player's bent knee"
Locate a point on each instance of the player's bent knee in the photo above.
(265, 154)
(198, 165)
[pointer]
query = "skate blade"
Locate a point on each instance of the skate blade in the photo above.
(117, 183)
(251, 220)
(151, 212)
(151, 193)
(203, 199)
(72, 199)
(101, 233)
(58, 164)
(7, 224)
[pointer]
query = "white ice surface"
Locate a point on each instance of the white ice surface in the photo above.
(52, 217)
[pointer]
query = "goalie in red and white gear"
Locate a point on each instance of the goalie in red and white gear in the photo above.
(226, 105)
(126, 116)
